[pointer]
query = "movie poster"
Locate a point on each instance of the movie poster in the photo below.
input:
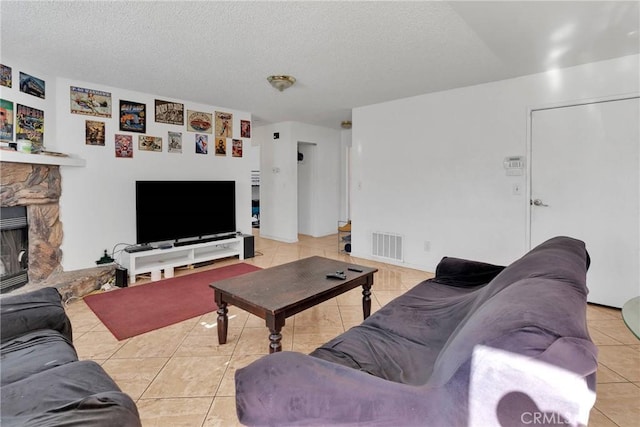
(169, 112)
(6, 78)
(150, 143)
(175, 142)
(236, 148)
(6, 120)
(124, 146)
(224, 124)
(90, 102)
(199, 122)
(202, 144)
(133, 117)
(31, 85)
(245, 129)
(30, 125)
(94, 133)
(221, 146)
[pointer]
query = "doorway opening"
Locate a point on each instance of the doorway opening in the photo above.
(307, 179)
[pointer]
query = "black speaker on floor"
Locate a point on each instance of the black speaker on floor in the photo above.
(122, 281)
(249, 246)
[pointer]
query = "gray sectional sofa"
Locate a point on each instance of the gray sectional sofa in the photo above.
(477, 345)
(42, 381)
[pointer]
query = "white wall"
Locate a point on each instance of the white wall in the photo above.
(279, 179)
(97, 207)
(98, 201)
(306, 186)
(345, 149)
(430, 167)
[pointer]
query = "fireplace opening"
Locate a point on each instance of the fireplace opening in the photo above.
(14, 248)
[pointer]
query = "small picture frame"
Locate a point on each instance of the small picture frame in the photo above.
(174, 143)
(124, 146)
(168, 112)
(6, 76)
(149, 143)
(224, 124)
(245, 129)
(236, 148)
(94, 133)
(221, 146)
(6, 120)
(198, 121)
(90, 102)
(133, 117)
(202, 143)
(31, 85)
(30, 125)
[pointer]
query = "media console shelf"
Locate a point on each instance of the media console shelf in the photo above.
(160, 259)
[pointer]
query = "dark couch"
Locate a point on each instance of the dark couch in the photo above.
(478, 344)
(42, 381)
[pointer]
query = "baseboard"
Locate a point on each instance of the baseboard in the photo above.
(279, 239)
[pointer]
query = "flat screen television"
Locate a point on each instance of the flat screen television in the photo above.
(175, 210)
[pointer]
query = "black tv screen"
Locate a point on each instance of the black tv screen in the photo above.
(172, 210)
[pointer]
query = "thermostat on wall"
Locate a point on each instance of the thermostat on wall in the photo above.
(514, 165)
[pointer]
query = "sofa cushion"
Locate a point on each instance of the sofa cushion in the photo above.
(34, 352)
(40, 309)
(401, 341)
(77, 394)
(461, 272)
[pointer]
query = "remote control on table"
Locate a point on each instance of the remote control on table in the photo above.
(337, 275)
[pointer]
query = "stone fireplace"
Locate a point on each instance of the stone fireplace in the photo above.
(38, 188)
(13, 247)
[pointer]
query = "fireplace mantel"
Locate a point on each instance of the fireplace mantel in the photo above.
(39, 159)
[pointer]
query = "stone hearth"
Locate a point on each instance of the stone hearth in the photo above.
(38, 187)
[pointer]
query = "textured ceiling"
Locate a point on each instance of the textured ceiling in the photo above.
(344, 54)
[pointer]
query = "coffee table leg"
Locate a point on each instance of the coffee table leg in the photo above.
(274, 341)
(366, 300)
(222, 323)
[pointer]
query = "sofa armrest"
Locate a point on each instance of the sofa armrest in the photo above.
(290, 388)
(464, 273)
(40, 309)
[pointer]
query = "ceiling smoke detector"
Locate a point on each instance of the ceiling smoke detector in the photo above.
(346, 124)
(281, 82)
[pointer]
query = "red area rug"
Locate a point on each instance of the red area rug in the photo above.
(132, 311)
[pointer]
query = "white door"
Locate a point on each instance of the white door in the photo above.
(585, 183)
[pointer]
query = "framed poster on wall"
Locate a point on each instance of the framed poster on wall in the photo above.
(124, 146)
(149, 143)
(198, 121)
(94, 132)
(6, 120)
(133, 117)
(169, 112)
(90, 102)
(224, 124)
(175, 142)
(30, 125)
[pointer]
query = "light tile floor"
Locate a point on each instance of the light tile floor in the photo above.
(180, 376)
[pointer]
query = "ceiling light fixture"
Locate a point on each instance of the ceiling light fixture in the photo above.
(281, 82)
(346, 124)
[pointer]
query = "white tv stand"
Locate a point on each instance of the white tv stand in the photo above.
(160, 259)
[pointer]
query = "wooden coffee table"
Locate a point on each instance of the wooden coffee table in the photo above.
(276, 293)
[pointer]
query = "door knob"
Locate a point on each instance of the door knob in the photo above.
(537, 202)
